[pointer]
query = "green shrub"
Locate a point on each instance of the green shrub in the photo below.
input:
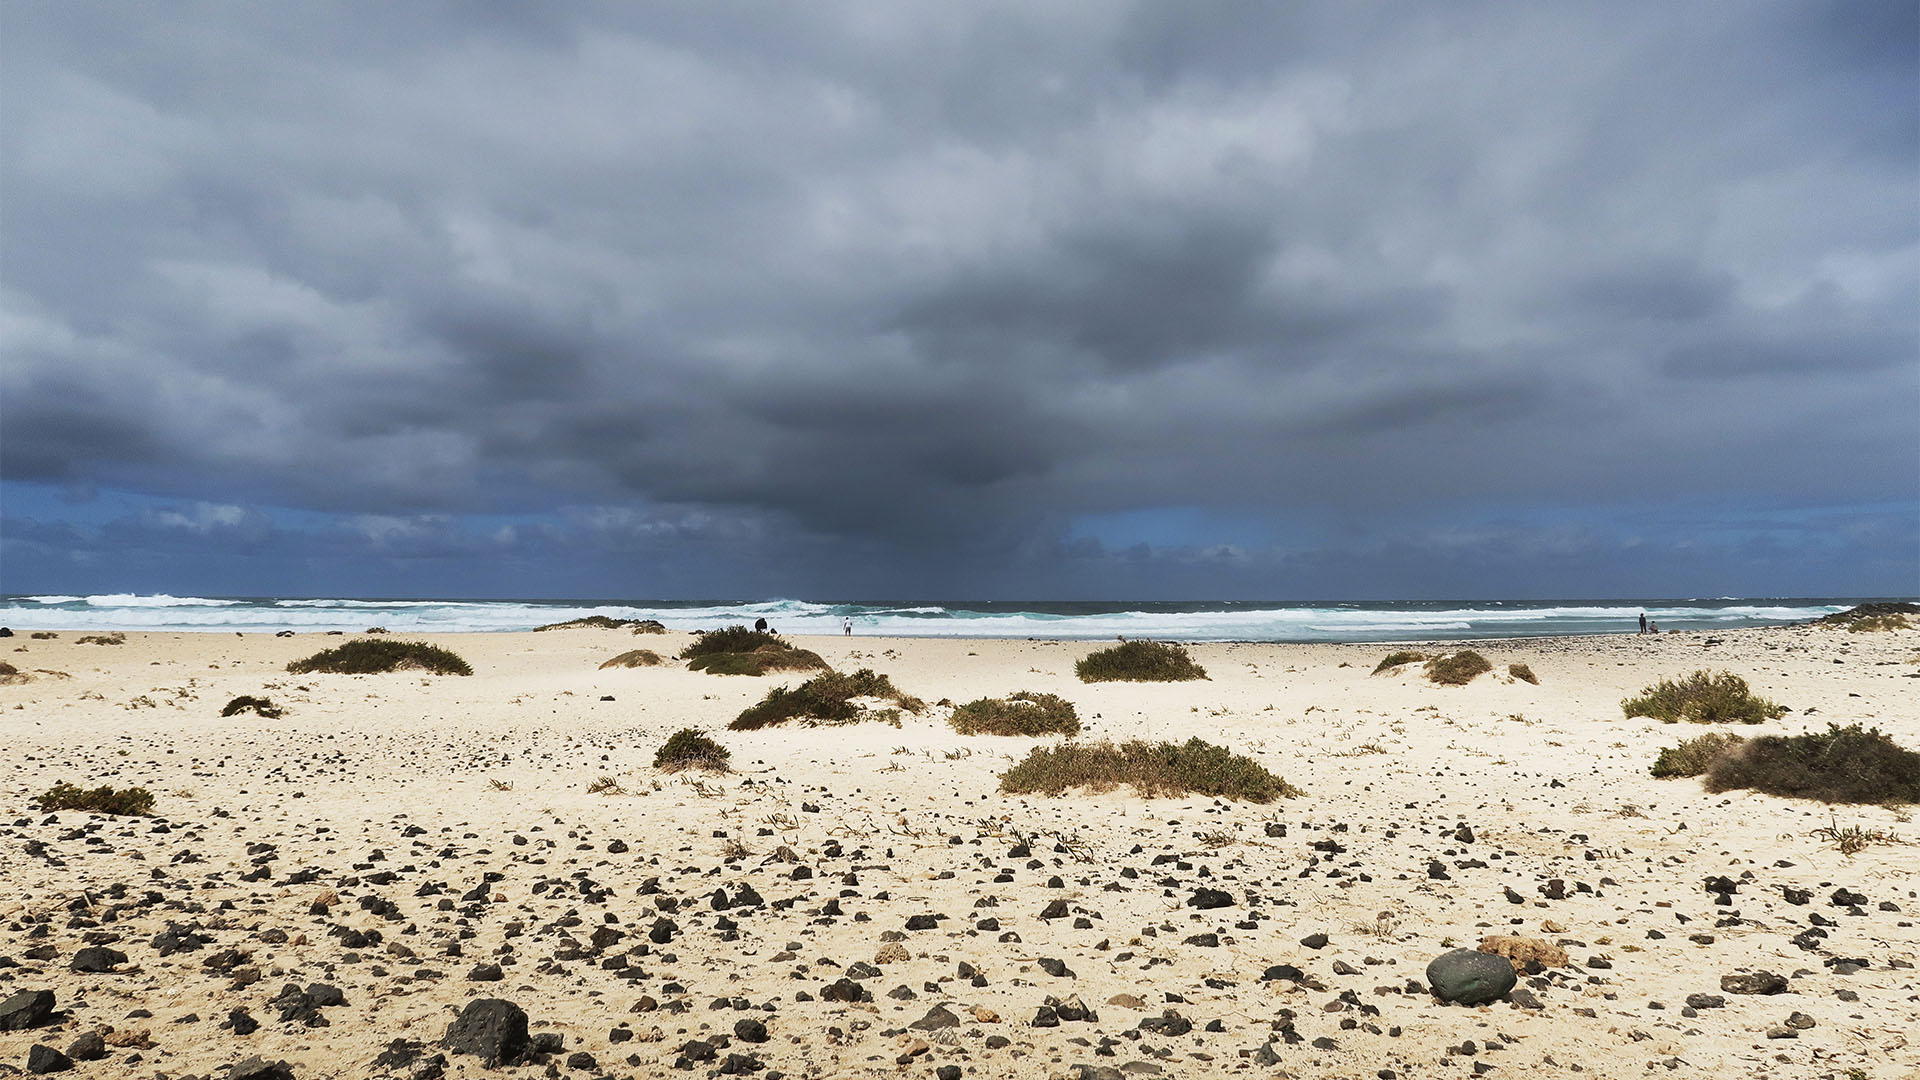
(761, 661)
(1395, 659)
(260, 706)
(634, 658)
(368, 656)
(101, 800)
(823, 699)
(115, 638)
(689, 749)
(1152, 769)
(1694, 756)
(1874, 623)
(737, 650)
(1703, 698)
(731, 639)
(1139, 661)
(1457, 669)
(1839, 765)
(1523, 673)
(1017, 714)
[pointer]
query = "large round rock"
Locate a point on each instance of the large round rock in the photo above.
(1467, 977)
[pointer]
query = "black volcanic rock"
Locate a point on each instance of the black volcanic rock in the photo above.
(492, 1029)
(26, 1009)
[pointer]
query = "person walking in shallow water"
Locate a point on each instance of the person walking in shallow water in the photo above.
(1643, 622)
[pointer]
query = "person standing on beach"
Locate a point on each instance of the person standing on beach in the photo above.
(846, 626)
(1643, 622)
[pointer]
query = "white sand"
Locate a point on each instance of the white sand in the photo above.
(1551, 780)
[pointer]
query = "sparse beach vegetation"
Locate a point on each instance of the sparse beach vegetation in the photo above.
(131, 802)
(1139, 661)
(1523, 673)
(689, 749)
(369, 657)
(115, 638)
(1457, 669)
(1395, 659)
(1839, 765)
(248, 703)
(825, 699)
(1023, 713)
(1694, 756)
(1152, 769)
(634, 658)
(736, 650)
(1703, 698)
(10, 674)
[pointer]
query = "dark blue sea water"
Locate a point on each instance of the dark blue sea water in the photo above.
(1184, 621)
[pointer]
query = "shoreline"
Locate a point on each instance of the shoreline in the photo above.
(442, 781)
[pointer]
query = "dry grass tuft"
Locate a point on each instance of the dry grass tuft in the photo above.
(1396, 659)
(605, 785)
(1017, 714)
(1853, 839)
(1703, 698)
(1152, 769)
(1457, 669)
(1523, 673)
(689, 749)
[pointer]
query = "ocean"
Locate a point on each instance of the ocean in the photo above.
(1183, 621)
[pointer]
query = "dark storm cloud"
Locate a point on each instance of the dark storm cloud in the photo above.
(920, 285)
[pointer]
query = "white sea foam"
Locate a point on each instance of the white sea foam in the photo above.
(1191, 622)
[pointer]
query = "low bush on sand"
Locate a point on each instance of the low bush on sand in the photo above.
(1017, 714)
(1395, 659)
(602, 622)
(131, 801)
(10, 674)
(1523, 673)
(737, 650)
(824, 699)
(689, 749)
(1457, 669)
(115, 638)
(1139, 661)
(369, 657)
(1838, 765)
(634, 658)
(1703, 698)
(248, 703)
(1694, 756)
(1152, 769)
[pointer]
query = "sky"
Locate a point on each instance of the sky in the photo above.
(882, 300)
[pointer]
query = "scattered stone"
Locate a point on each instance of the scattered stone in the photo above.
(258, 1068)
(1470, 977)
(492, 1029)
(43, 1059)
(26, 1009)
(1760, 982)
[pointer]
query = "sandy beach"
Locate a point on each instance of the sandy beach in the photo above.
(418, 842)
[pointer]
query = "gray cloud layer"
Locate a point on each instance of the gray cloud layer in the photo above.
(932, 282)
